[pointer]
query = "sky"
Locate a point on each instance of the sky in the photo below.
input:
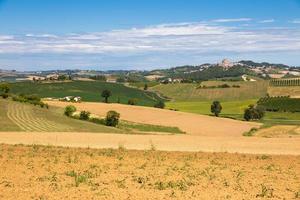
(146, 34)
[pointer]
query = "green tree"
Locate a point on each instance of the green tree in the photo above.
(132, 101)
(4, 87)
(112, 118)
(216, 108)
(84, 115)
(106, 94)
(69, 110)
(146, 86)
(254, 113)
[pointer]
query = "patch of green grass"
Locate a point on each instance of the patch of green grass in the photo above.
(88, 90)
(231, 109)
(148, 127)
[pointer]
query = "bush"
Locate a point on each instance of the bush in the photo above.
(84, 115)
(254, 113)
(132, 101)
(112, 118)
(159, 104)
(69, 110)
(4, 96)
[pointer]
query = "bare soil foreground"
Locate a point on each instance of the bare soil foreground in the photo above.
(46, 172)
(252, 145)
(193, 124)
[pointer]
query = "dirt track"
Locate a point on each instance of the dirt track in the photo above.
(192, 124)
(252, 145)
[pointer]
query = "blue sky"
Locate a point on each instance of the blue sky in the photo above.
(146, 34)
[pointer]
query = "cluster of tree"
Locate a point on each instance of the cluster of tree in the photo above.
(285, 82)
(4, 90)
(280, 104)
(263, 64)
(111, 119)
(218, 86)
(63, 77)
(131, 78)
(216, 72)
(99, 78)
(32, 99)
(254, 113)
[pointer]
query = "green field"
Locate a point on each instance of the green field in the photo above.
(189, 92)
(15, 116)
(232, 109)
(88, 90)
(235, 110)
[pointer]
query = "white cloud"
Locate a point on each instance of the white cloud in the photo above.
(194, 38)
(233, 20)
(266, 21)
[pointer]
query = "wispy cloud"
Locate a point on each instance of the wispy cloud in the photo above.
(233, 20)
(159, 42)
(266, 21)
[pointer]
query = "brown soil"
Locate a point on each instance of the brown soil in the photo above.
(193, 124)
(253, 145)
(45, 172)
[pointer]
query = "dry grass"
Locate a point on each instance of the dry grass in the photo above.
(44, 172)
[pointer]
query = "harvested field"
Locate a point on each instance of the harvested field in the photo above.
(279, 131)
(193, 124)
(45, 172)
(252, 145)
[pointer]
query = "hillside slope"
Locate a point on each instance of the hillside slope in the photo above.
(88, 90)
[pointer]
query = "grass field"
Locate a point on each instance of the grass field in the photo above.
(235, 110)
(189, 92)
(88, 90)
(46, 172)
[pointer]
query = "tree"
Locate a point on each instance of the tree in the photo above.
(254, 113)
(4, 87)
(84, 115)
(112, 118)
(69, 110)
(159, 104)
(216, 108)
(106, 94)
(146, 86)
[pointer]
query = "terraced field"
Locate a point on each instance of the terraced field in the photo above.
(23, 117)
(15, 116)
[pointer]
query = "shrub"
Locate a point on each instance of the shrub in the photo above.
(112, 118)
(84, 115)
(254, 113)
(216, 108)
(69, 110)
(132, 101)
(4, 96)
(159, 104)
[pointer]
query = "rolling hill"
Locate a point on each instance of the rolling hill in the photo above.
(88, 90)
